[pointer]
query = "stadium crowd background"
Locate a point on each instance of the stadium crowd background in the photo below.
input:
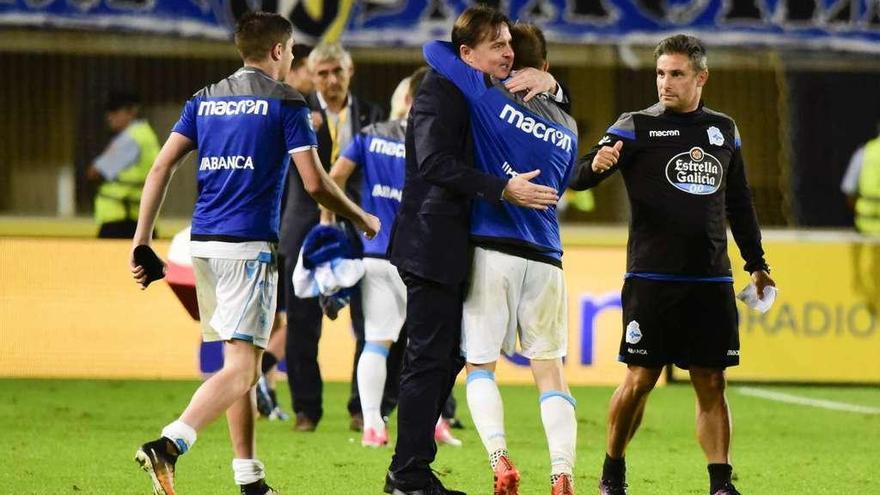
(802, 110)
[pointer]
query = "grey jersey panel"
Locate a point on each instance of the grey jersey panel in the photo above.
(543, 106)
(654, 110)
(251, 82)
(390, 129)
(626, 122)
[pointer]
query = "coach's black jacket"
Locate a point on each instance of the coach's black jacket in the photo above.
(301, 212)
(430, 236)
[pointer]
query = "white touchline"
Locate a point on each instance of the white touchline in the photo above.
(806, 401)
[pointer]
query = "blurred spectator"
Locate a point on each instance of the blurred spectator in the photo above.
(342, 117)
(122, 167)
(861, 184)
(300, 77)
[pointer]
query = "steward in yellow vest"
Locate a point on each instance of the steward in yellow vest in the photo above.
(122, 168)
(868, 200)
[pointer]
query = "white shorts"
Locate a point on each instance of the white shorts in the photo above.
(512, 297)
(383, 295)
(237, 297)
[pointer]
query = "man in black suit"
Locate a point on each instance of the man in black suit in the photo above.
(430, 245)
(337, 116)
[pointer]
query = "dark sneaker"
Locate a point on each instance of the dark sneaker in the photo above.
(357, 422)
(265, 402)
(727, 489)
(304, 423)
(157, 458)
(607, 487)
(434, 488)
(258, 488)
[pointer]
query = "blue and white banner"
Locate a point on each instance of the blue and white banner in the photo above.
(835, 24)
(201, 18)
(818, 24)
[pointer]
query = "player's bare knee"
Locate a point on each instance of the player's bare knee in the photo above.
(640, 381)
(708, 381)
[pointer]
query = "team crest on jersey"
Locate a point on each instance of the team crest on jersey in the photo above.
(695, 172)
(633, 333)
(715, 136)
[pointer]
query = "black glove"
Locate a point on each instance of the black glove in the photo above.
(153, 266)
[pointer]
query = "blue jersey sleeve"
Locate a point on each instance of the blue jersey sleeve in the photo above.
(298, 132)
(186, 125)
(440, 55)
(355, 150)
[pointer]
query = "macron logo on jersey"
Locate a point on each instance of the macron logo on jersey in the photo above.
(226, 163)
(671, 132)
(381, 146)
(537, 129)
(218, 108)
(387, 192)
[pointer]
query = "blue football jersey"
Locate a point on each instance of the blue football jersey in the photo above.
(245, 127)
(511, 137)
(380, 153)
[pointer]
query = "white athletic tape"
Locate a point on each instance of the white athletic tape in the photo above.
(806, 401)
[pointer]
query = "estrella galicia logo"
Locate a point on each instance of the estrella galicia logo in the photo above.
(633, 333)
(715, 136)
(695, 172)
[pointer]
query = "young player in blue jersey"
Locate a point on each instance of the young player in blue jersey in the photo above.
(517, 288)
(246, 128)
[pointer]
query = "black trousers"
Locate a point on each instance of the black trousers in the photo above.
(431, 363)
(304, 318)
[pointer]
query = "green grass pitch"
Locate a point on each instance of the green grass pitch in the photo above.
(79, 437)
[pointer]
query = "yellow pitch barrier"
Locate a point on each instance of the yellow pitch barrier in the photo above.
(68, 308)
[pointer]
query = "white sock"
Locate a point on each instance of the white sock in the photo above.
(560, 426)
(182, 434)
(487, 410)
(371, 375)
(247, 471)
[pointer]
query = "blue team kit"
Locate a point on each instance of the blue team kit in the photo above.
(380, 153)
(245, 126)
(512, 137)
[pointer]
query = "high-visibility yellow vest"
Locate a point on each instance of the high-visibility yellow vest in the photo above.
(868, 203)
(120, 198)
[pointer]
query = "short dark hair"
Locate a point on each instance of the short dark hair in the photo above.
(118, 100)
(529, 46)
(682, 44)
(476, 24)
(256, 33)
(415, 80)
(301, 53)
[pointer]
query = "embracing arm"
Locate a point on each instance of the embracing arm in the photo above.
(440, 126)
